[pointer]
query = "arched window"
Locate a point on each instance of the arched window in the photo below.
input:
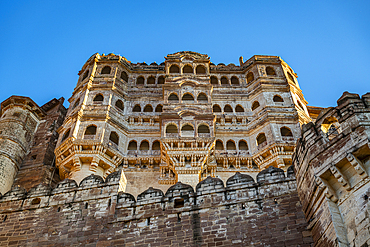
(224, 81)
(234, 80)
(98, 98)
(200, 70)
(187, 97)
(255, 105)
(124, 76)
(113, 137)
(174, 69)
(284, 131)
(171, 128)
(219, 145)
(137, 108)
(270, 71)
(156, 145)
(250, 77)
(202, 97)
(243, 145)
(106, 70)
(140, 80)
(214, 80)
(187, 69)
(150, 80)
(161, 79)
(203, 129)
(148, 108)
(239, 108)
(91, 130)
(230, 145)
(278, 98)
(119, 104)
(76, 103)
(66, 135)
(228, 108)
(290, 76)
(132, 145)
(144, 145)
(173, 97)
(159, 108)
(85, 75)
(261, 138)
(187, 127)
(216, 108)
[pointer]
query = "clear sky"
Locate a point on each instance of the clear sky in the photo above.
(45, 43)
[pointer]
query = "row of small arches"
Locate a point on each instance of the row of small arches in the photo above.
(239, 108)
(188, 97)
(260, 139)
(173, 129)
(144, 145)
(106, 70)
(91, 130)
(147, 108)
(188, 69)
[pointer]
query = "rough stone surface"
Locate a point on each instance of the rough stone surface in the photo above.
(96, 214)
(332, 163)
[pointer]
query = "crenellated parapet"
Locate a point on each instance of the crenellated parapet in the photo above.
(94, 208)
(332, 163)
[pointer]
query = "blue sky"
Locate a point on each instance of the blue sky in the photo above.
(45, 43)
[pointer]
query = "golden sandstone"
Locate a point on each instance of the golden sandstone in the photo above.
(188, 126)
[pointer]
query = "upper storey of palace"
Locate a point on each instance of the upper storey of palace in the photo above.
(186, 76)
(186, 66)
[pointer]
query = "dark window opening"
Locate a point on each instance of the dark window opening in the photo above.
(179, 203)
(174, 69)
(214, 80)
(132, 145)
(255, 105)
(124, 76)
(106, 70)
(200, 70)
(98, 98)
(114, 137)
(91, 130)
(187, 69)
(216, 108)
(148, 108)
(119, 104)
(140, 81)
(136, 108)
(270, 71)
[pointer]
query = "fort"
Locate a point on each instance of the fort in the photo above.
(185, 153)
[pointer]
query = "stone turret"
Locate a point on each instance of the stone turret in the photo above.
(332, 164)
(20, 117)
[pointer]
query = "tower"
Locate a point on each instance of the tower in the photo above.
(91, 134)
(20, 117)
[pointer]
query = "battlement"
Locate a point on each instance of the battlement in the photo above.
(95, 212)
(270, 182)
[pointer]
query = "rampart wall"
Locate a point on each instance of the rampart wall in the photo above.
(244, 213)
